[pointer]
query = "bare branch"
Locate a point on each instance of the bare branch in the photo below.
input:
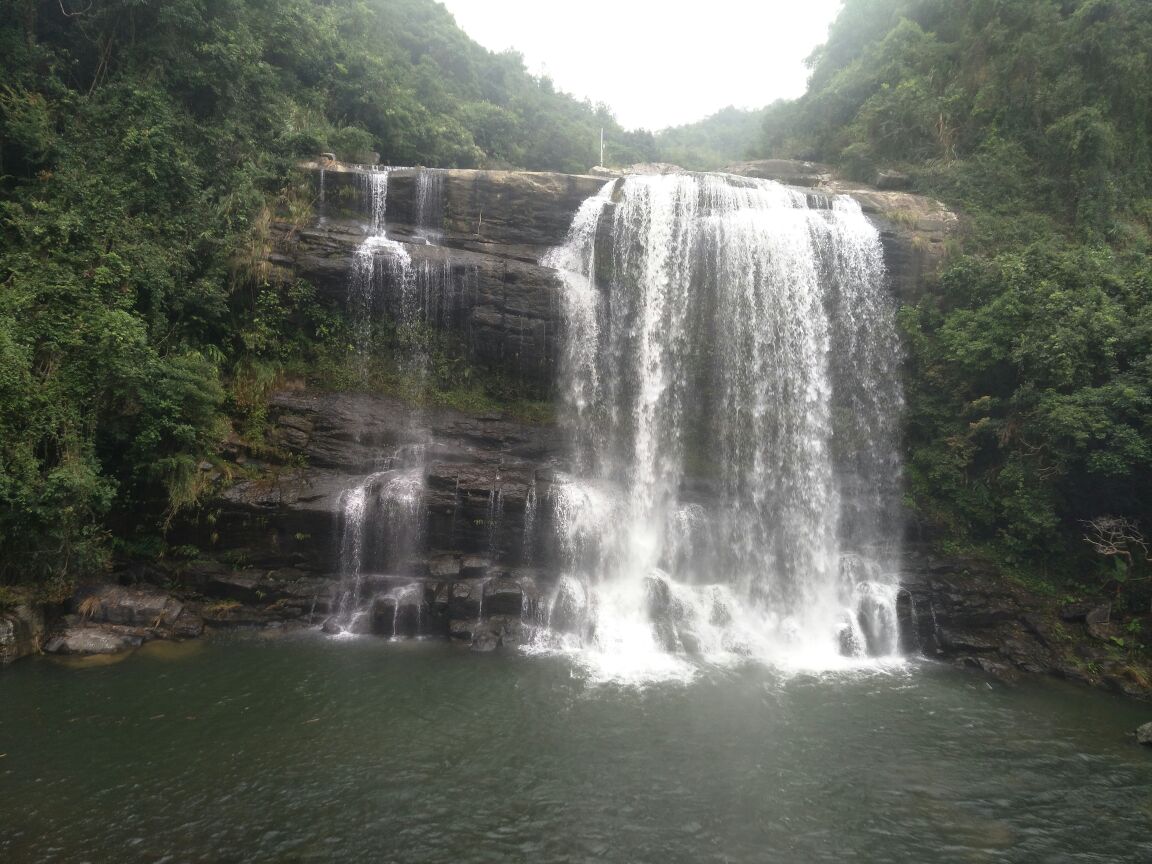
(77, 13)
(1116, 535)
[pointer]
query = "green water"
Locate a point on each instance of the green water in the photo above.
(301, 749)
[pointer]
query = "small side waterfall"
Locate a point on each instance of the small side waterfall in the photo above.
(729, 379)
(391, 297)
(528, 540)
(430, 202)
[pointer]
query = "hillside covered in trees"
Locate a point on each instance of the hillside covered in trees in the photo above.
(711, 144)
(1029, 373)
(143, 147)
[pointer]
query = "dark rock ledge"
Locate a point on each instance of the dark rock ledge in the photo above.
(958, 611)
(963, 611)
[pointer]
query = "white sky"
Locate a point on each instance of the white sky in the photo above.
(652, 63)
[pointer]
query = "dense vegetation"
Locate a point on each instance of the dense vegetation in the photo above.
(730, 135)
(144, 145)
(1030, 371)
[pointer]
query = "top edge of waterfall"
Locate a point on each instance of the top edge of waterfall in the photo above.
(800, 197)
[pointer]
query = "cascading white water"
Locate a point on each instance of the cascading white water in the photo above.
(528, 543)
(729, 375)
(382, 515)
(382, 522)
(430, 202)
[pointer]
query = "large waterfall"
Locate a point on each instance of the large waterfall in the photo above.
(730, 383)
(729, 387)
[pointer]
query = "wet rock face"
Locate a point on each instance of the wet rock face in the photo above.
(477, 475)
(272, 542)
(497, 225)
(484, 613)
(916, 233)
(502, 306)
(21, 630)
(494, 227)
(965, 612)
(486, 210)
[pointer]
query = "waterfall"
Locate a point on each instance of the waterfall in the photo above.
(729, 379)
(382, 524)
(494, 516)
(378, 259)
(528, 541)
(390, 295)
(322, 199)
(430, 202)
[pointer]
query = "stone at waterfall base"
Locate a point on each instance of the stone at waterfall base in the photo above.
(98, 639)
(1144, 735)
(110, 619)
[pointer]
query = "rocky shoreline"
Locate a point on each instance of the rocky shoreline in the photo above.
(269, 556)
(957, 611)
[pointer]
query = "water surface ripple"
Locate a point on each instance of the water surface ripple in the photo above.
(304, 750)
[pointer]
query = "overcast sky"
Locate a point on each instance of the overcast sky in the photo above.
(653, 64)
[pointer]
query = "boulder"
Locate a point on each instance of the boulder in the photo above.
(143, 606)
(510, 628)
(1144, 735)
(466, 600)
(792, 172)
(475, 567)
(93, 639)
(892, 180)
(462, 630)
(485, 640)
(1099, 615)
(1074, 612)
(187, 625)
(444, 566)
(503, 597)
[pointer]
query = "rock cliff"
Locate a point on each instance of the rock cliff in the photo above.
(492, 228)
(271, 539)
(495, 226)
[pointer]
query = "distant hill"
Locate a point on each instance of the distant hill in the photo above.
(729, 135)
